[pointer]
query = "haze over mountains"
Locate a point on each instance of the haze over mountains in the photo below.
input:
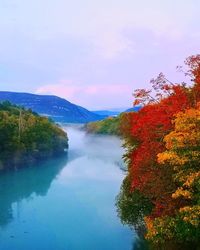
(59, 109)
(117, 111)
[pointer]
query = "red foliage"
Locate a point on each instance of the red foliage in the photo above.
(148, 128)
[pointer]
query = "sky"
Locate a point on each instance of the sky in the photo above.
(94, 53)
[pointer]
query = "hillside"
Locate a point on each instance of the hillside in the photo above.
(109, 126)
(59, 109)
(133, 109)
(116, 112)
(106, 113)
(26, 137)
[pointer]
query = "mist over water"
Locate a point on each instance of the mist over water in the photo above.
(66, 203)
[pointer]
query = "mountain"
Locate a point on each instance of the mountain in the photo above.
(115, 112)
(106, 113)
(135, 109)
(59, 109)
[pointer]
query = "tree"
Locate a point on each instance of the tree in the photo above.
(25, 136)
(144, 135)
(183, 154)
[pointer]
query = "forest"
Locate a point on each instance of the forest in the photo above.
(161, 191)
(108, 126)
(26, 137)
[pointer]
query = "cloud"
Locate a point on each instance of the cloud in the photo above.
(101, 23)
(63, 89)
(96, 44)
(111, 45)
(93, 96)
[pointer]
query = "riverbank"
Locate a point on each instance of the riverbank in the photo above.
(108, 126)
(67, 203)
(26, 137)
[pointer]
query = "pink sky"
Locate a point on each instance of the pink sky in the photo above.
(94, 53)
(89, 95)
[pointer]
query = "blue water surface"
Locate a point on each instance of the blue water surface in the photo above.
(66, 203)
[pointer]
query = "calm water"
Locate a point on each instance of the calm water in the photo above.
(67, 203)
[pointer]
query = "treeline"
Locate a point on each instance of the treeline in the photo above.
(26, 137)
(162, 140)
(108, 126)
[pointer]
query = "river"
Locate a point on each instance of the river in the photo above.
(66, 203)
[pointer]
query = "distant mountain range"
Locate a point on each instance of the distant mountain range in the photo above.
(106, 112)
(134, 109)
(115, 112)
(59, 109)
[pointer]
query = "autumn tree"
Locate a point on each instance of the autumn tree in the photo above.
(183, 155)
(144, 140)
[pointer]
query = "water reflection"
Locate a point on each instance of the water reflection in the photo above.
(140, 244)
(66, 204)
(19, 185)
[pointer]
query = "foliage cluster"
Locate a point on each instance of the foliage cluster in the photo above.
(162, 142)
(108, 126)
(26, 137)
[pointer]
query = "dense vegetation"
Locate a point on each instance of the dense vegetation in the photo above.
(26, 137)
(108, 126)
(162, 142)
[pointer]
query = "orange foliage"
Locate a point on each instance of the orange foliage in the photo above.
(147, 128)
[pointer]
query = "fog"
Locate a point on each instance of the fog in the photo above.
(67, 203)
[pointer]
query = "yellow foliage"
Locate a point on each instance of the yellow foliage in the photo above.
(172, 158)
(191, 178)
(191, 215)
(187, 130)
(181, 192)
(185, 135)
(150, 228)
(167, 226)
(183, 154)
(158, 226)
